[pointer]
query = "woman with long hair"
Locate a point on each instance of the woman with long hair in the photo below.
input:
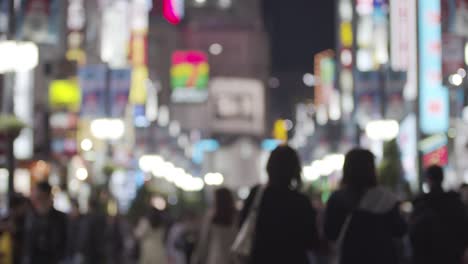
(362, 218)
(286, 222)
(218, 232)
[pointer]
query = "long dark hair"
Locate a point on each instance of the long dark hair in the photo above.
(359, 173)
(284, 168)
(224, 210)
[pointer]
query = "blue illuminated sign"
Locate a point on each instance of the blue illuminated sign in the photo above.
(433, 96)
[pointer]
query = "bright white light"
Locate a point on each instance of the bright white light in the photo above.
(164, 116)
(191, 184)
(148, 162)
(456, 79)
(364, 60)
(323, 167)
(162, 170)
(196, 185)
(345, 10)
(462, 72)
(214, 179)
(81, 174)
(382, 129)
(18, 56)
(465, 114)
(243, 193)
(159, 203)
(86, 144)
(182, 180)
(111, 129)
(309, 79)
(216, 49)
(174, 129)
(336, 161)
(289, 124)
(466, 52)
(321, 115)
(346, 57)
(335, 107)
(310, 174)
(200, 2)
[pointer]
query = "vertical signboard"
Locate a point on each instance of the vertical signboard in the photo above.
(119, 88)
(345, 57)
(92, 80)
(39, 20)
(402, 18)
(433, 96)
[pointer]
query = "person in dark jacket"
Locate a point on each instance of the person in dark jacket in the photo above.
(439, 229)
(46, 229)
(93, 235)
(286, 222)
(362, 218)
(74, 231)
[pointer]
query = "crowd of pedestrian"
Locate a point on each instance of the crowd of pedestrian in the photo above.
(362, 222)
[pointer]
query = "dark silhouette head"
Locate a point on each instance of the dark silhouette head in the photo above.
(41, 197)
(284, 168)
(359, 173)
(155, 217)
(224, 210)
(435, 176)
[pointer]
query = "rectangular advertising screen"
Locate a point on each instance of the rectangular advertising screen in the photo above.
(189, 77)
(433, 96)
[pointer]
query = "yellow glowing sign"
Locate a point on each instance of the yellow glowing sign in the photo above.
(64, 94)
(346, 34)
(280, 131)
(138, 88)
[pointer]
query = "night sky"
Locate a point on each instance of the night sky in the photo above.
(298, 30)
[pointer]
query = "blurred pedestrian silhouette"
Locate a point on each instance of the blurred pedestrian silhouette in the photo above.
(362, 218)
(93, 235)
(439, 227)
(218, 231)
(46, 229)
(150, 232)
(181, 238)
(74, 229)
(286, 223)
(464, 195)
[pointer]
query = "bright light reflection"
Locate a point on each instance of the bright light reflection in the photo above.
(81, 174)
(86, 144)
(382, 129)
(214, 179)
(216, 49)
(456, 79)
(112, 129)
(148, 162)
(310, 173)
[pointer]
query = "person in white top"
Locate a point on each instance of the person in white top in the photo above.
(150, 231)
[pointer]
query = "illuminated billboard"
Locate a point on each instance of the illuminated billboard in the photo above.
(237, 106)
(433, 96)
(189, 77)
